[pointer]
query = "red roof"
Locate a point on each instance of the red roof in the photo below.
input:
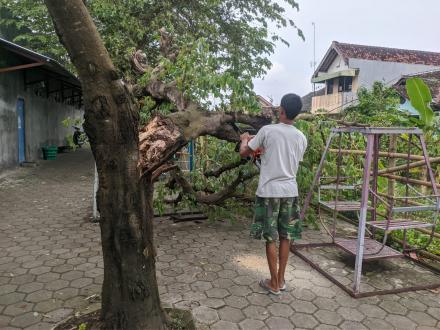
(264, 102)
(387, 54)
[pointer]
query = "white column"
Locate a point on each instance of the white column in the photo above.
(95, 190)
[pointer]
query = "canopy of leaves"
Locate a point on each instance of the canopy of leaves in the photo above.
(224, 43)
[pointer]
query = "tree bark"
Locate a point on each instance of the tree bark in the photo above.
(126, 159)
(130, 298)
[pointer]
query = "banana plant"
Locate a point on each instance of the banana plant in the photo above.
(420, 97)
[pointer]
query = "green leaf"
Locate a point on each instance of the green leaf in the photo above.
(420, 97)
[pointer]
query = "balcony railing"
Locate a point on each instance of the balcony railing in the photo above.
(333, 103)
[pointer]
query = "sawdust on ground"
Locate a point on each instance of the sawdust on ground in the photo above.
(252, 262)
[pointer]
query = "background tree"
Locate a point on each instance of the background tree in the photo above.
(222, 46)
(212, 50)
(236, 31)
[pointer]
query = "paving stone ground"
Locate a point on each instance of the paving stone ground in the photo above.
(51, 266)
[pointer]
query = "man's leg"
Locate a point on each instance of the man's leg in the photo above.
(270, 234)
(284, 256)
(287, 230)
(271, 254)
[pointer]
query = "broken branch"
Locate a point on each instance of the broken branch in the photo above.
(215, 198)
(162, 169)
(216, 173)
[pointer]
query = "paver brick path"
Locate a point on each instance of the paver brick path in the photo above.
(50, 263)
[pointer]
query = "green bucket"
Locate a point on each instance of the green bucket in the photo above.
(50, 152)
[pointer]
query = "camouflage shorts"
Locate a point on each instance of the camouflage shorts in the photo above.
(276, 218)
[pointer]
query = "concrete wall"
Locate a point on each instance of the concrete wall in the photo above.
(337, 65)
(386, 72)
(355, 84)
(42, 120)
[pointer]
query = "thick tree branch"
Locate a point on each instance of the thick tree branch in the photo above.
(158, 141)
(161, 170)
(169, 92)
(216, 173)
(162, 137)
(244, 198)
(167, 45)
(215, 198)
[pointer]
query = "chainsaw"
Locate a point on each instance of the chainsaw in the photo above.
(255, 156)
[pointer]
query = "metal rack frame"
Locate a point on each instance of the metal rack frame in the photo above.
(369, 249)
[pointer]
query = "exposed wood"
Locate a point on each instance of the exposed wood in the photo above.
(21, 67)
(158, 141)
(163, 136)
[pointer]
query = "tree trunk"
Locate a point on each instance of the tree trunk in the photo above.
(126, 157)
(130, 298)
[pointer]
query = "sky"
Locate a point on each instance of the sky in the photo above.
(404, 24)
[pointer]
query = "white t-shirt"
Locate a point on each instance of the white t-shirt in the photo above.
(284, 146)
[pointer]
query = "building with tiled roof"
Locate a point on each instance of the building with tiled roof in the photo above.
(263, 102)
(347, 67)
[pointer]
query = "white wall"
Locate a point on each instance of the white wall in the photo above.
(337, 65)
(42, 120)
(386, 72)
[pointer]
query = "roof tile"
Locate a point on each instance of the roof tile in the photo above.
(387, 54)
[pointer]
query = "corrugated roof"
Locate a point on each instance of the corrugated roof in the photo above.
(49, 63)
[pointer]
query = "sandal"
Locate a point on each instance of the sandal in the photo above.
(268, 288)
(284, 287)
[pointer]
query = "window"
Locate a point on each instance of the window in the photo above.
(345, 84)
(329, 84)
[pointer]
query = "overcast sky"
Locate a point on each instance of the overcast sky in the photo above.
(405, 24)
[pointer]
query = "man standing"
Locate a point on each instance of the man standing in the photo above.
(276, 206)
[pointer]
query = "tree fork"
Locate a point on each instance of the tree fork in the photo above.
(130, 297)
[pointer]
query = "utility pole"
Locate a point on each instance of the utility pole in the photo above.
(314, 53)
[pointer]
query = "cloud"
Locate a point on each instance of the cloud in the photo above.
(380, 24)
(275, 71)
